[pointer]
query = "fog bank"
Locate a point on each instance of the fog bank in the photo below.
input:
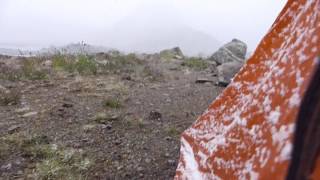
(136, 25)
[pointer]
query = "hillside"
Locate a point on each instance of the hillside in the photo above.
(150, 29)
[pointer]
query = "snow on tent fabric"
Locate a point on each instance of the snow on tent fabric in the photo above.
(248, 131)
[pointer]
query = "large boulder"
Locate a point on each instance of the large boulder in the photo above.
(234, 51)
(227, 71)
(174, 53)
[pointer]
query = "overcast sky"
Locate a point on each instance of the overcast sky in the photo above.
(57, 22)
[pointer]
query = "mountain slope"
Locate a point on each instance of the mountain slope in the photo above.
(150, 29)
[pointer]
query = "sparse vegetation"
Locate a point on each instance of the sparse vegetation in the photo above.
(195, 63)
(100, 117)
(121, 64)
(27, 69)
(51, 161)
(152, 73)
(108, 115)
(140, 123)
(60, 61)
(10, 97)
(62, 164)
(168, 54)
(83, 64)
(172, 131)
(104, 118)
(10, 74)
(31, 69)
(86, 65)
(135, 123)
(112, 103)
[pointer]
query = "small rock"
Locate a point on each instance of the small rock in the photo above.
(117, 142)
(178, 57)
(203, 80)
(67, 105)
(17, 162)
(155, 115)
(77, 145)
(173, 68)
(222, 84)
(108, 126)
(7, 166)
(148, 160)
(13, 129)
(126, 77)
(171, 162)
(114, 117)
(22, 110)
(3, 89)
(88, 127)
(103, 118)
(100, 84)
(47, 63)
(29, 114)
(140, 169)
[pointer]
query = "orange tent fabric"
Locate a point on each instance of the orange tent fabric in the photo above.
(247, 132)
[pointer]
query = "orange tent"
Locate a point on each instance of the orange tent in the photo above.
(264, 125)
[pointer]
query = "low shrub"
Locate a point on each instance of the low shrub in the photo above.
(196, 63)
(31, 69)
(83, 64)
(11, 97)
(112, 103)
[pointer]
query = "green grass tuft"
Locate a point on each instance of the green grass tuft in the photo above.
(50, 160)
(112, 103)
(172, 131)
(31, 70)
(83, 64)
(196, 63)
(86, 65)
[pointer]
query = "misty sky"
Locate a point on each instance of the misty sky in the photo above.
(58, 22)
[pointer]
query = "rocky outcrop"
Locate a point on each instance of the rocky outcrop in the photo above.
(227, 71)
(230, 59)
(234, 51)
(174, 53)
